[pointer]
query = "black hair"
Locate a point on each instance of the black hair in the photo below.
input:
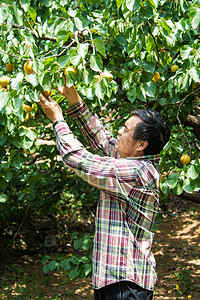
(153, 129)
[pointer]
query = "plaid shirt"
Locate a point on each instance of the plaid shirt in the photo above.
(128, 201)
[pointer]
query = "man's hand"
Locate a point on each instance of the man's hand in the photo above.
(70, 93)
(51, 108)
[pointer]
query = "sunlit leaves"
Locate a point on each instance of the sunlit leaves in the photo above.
(194, 15)
(96, 62)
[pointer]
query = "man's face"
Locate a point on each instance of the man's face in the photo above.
(125, 144)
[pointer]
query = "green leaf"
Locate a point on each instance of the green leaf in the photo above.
(119, 3)
(4, 99)
(7, 175)
(87, 269)
(18, 15)
(26, 143)
(185, 51)
(178, 189)
(77, 243)
(46, 268)
(164, 187)
(31, 135)
(33, 79)
(75, 58)
(32, 13)
(172, 180)
(3, 198)
(194, 16)
(133, 5)
(99, 91)
(192, 172)
(150, 88)
(149, 67)
(189, 186)
(63, 60)
(100, 46)
(16, 82)
(46, 82)
(74, 274)
(62, 36)
(74, 235)
(48, 62)
(96, 63)
(65, 264)
(18, 162)
(45, 259)
(25, 4)
(195, 74)
(83, 49)
(153, 3)
(3, 14)
(80, 24)
(53, 265)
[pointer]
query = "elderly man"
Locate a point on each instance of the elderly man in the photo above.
(126, 172)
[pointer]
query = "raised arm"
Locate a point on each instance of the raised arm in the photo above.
(92, 128)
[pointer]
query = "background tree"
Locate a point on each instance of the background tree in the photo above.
(122, 54)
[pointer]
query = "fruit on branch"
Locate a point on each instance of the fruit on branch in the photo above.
(4, 81)
(46, 93)
(27, 108)
(185, 159)
(107, 75)
(28, 67)
(3, 89)
(9, 67)
(27, 117)
(156, 77)
(174, 68)
(70, 69)
(195, 85)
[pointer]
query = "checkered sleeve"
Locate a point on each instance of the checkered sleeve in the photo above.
(100, 139)
(116, 177)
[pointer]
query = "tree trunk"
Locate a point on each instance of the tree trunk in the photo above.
(195, 197)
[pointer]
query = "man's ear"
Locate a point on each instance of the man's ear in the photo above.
(143, 145)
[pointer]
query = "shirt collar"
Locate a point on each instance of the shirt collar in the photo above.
(153, 158)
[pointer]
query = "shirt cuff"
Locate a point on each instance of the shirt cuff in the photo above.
(56, 122)
(75, 110)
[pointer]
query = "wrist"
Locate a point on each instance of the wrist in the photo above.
(58, 121)
(72, 96)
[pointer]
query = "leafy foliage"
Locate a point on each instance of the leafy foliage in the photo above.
(76, 265)
(129, 39)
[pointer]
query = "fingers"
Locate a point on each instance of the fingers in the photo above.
(43, 100)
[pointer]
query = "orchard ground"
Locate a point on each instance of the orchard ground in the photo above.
(176, 249)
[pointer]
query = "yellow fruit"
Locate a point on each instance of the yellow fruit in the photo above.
(46, 93)
(70, 69)
(27, 108)
(174, 68)
(3, 89)
(9, 67)
(28, 67)
(4, 81)
(163, 50)
(27, 117)
(196, 85)
(107, 75)
(156, 77)
(185, 159)
(26, 151)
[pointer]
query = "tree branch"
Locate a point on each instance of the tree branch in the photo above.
(25, 15)
(158, 55)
